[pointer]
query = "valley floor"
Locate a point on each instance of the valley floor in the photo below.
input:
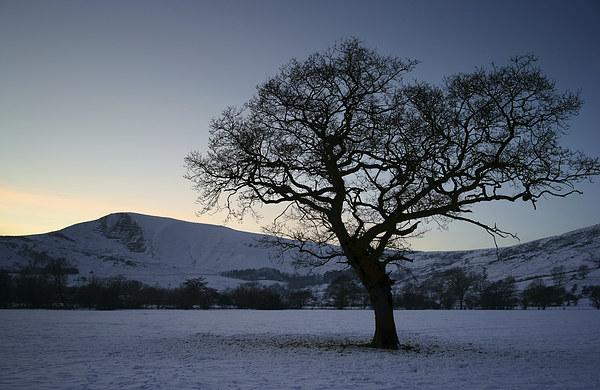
(310, 349)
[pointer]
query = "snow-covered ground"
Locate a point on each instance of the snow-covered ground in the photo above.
(236, 349)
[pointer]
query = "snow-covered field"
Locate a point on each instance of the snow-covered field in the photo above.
(236, 349)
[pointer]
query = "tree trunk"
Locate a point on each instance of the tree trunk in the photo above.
(379, 287)
(385, 336)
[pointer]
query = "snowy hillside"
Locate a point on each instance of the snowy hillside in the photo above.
(576, 251)
(165, 252)
(153, 250)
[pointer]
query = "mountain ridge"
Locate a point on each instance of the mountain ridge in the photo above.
(167, 251)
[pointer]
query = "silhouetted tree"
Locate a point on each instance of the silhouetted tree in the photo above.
(457, 282)
(6, 288)
(500, 295)
(359, 158)
(559, 276)
(154, 296)
(593, 294)
(59, 270)
(537, 294)
(254, 296)
(34, 290)
(343, 292)
(434, 290)
(194, 292)
(415, 297)
(114, 292)
(297, 299)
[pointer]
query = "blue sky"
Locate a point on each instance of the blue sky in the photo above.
(100, 101)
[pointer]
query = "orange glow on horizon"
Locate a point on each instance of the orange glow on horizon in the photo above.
(26, 213)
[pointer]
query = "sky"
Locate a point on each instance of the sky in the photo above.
(100, 101)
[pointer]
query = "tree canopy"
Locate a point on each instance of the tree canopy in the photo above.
(342, 134)
(360, 157)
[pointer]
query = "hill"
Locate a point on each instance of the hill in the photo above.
(573, 250)
(153, 250)
(163, 251)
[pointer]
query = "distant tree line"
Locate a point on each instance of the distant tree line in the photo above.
(43, 283)
(457, 288)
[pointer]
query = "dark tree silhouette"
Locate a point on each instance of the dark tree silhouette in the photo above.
(359, 157)
(593, 293)
(6, 288)
(60, 269)
(297, 299)
(343, 291)
(254, 296)
(500, 295)
(194, 292)
(559, 276)
(537, 294)
(457, 283)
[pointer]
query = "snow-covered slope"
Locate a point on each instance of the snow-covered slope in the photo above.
(154, 250)
(165, 251)
(524, 262)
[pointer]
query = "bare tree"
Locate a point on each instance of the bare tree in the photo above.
(60, 269)
(559, 276)
(458, 283)
(359, 157)
(500, 295)
(343, 291)
(593, 293)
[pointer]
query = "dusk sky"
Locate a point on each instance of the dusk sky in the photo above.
(100, 101)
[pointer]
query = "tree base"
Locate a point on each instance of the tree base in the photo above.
(385, 340)
(379, 345)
